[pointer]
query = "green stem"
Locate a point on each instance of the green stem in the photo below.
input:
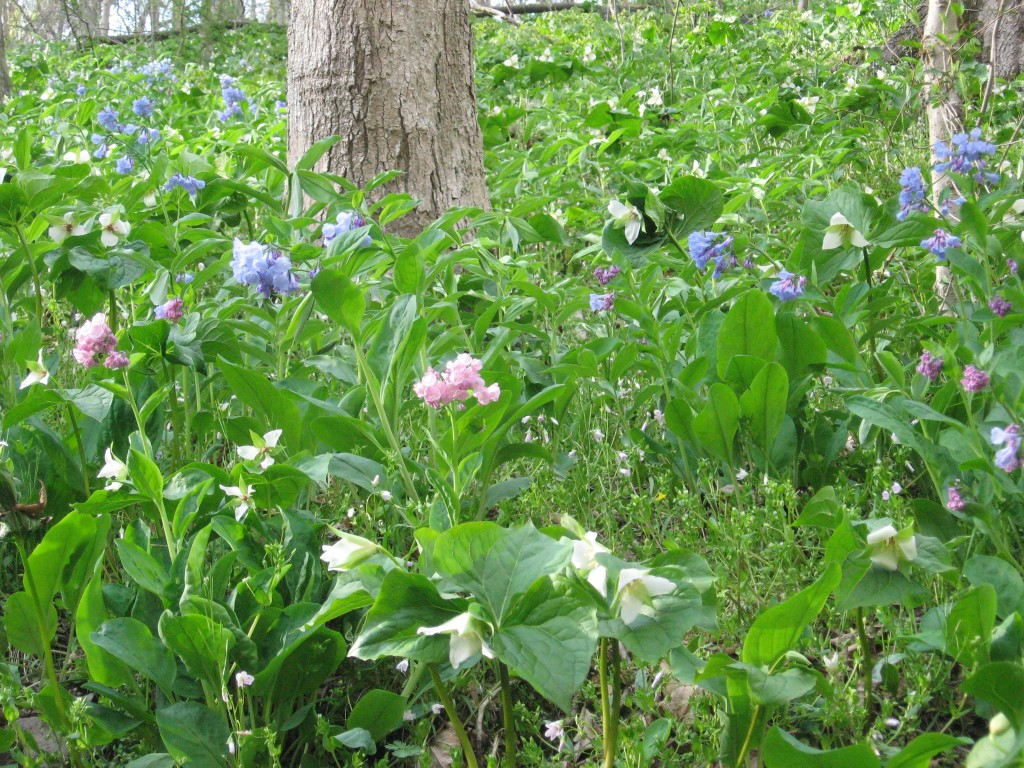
(610, 715)
(866, 660)
(511, 759)
(372, 386)
(165, 523)
(172, 402)
(35, 272)
(602, 669)
(453, 716)
(81, 450)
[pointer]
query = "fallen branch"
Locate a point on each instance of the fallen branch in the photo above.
(539, 7)
(485, 10)
(167, 34)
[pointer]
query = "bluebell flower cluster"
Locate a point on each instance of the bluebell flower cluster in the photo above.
(108, 119)
(967, 155)
(143, 107)
(233, 97)
(788, 287)
(704, 247)
(125, 164)
(156, 70)
(269, 271)
(280, 106)
(345, 222)
(940, 242)
(190, 184)
(912, 196)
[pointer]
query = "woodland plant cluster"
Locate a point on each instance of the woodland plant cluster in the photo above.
(675, 456)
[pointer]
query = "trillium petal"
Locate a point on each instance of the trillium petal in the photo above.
(857, 240)
(108, 238)
(832, 240)
(248, 452)
(271, 438)
(886, 557)
(632, 231)
(617, 209)
(882, 535)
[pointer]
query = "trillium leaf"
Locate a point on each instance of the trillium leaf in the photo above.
(548, 638)
(495, 564)
(783, 751)
(194, 733)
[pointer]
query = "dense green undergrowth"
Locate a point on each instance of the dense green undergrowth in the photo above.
(674, 457)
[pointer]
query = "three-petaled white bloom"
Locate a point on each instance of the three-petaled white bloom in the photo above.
(66, 228)
(262, 449)
(113, 229)
(114, 470)
(584, 554)
(637, 590)
(467, 638)
(244, 496)
(887, 546)
(37, 373)
(627, 215)
(347, 552)
(841, 233)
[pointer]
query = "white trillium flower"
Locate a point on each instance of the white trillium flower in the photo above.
(626, 215)
(37, 373)
(467, 639)
(66, 228)
(242, 493)
(347, 552)
(841, 233)
(262, 449)
(637, 590)
(113, 229)
(114, 470)
(584, 560)
(887, 546)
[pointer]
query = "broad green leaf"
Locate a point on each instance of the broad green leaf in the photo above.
(764, 404)
(202, 644)
(548, 638)
(340, 299)
(920, 752)
(778, 629)
(29, 627)
(497, 565)
(969, 625)
(783, 751)
(131, 641)
(1000, 683)
(195, 734)
(1004, 578)
(378, 712)
(715, 426)
(749, 329)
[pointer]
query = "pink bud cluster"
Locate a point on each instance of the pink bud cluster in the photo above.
(95, 344)
(460, 379)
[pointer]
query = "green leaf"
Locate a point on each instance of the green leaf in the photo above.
(776, 630)
(201, 643)
(25, 631)
(496, 564)
(764, 404)
(131, 641)
(969, 625)
(749, 329)
(195, 734)
(715, 426)
(405, 603)
(315, 152)
(548, 638)
(783, 751)
(696, 204)
(919, 752)
(1000, 683)
(378, 712)
(340, 299)
(1009, 587)
(146, 476)
(142, 567)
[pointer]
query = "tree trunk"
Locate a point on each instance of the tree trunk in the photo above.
(803, 5)
(5, 77)
(943, 109)
(393, 78)
(1001, 28)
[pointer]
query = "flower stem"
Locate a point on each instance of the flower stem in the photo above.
(35, 272)
(81, 450)
(611, 736)
(511, 759)
(866, 661)
(453, 716)
(606, 712)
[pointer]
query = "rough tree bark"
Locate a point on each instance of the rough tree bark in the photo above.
(944, 111)
(394, 79)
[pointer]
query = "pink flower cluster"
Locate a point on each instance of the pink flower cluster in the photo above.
(460, 379)
(95, 343)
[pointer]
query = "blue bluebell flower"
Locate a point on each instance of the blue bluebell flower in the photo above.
(149, 136)
(232, 110)
(125, 164)
(143, 107)
(940, 242)
(185, 278)
(108, 119)
(280, 106)
(788, 287)
(269, 271)
(190, 184)
(81, 90)
(345, 222)
(602, 302)
(704, 248)
(912, 196)
(966, 155)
